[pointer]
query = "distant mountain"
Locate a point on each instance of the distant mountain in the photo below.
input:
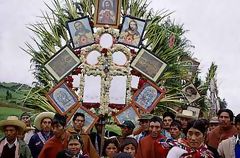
(13, 92)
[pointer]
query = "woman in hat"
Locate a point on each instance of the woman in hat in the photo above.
(10, 145)
(193, 145)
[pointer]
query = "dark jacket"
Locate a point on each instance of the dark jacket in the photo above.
(36, 144)
(24, 151)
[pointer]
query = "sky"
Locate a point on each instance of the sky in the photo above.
(213, 29)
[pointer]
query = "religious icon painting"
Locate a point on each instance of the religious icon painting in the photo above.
(191, 65)
(191, 93)
(196, 111)
(90, 118)
(107, 13)
(81, 32)
(148, 96)
(147, 64)
(132, 31)
(62, 98)
(128, 113)
(62, 63)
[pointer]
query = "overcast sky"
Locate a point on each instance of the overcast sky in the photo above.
(213, 29)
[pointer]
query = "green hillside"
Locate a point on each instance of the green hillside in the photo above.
(13, 92)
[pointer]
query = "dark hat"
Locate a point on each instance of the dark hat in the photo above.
(127, 141)
(128, 124)
(59, 119)
(145, 117)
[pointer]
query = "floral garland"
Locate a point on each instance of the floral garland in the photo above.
(106, 69)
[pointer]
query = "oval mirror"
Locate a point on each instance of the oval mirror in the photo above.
(119, 58)
(106, 40)
(92, 57)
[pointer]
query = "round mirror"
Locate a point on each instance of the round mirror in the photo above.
(106, 40)
(119, 58)
(92, 57)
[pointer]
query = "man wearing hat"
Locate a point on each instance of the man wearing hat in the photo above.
(127, 128)
(213, 123)
(29, 131)
(59, 141)
(10, 145)
(185, 117)
(150, 146)
(144, 127)
(43, 122)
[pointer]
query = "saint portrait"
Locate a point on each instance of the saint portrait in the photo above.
(62, 63)
(132, 31)
(62, 98)
(107, 13)
(191, 93)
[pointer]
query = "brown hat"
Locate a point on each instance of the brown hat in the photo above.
(13, 121)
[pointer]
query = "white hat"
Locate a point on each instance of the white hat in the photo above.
(40, 117)
(13, 121)
(186, 114)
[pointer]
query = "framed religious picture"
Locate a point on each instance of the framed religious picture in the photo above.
(132, 31)
(128, 113)
(62, 98)
(107, 12)
(196, 111)
(90, 118)
(81, 32)
(62, 63)
(147, 64)
(191, 93)
(148, 96)
(191, 65)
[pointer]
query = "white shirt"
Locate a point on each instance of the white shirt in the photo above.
(10, 145)
(176, 152)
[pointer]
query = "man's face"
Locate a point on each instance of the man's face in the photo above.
(144, 124)
(126, 131)
(46, 125)
(212, 126)
(26, 120)
(175, 132)
(224, 119)
(167, 122)
(155, 128)
(10, 133)
(78, 123)
(184, 122)
(58, 130)
(237, 125)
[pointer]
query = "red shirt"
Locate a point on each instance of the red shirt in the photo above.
(150, 147)
(53, 146)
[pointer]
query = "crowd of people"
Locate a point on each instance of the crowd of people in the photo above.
(170, 136)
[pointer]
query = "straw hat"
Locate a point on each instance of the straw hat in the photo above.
(186, 114)
(13, 121)
(40, 117)
(214, 120)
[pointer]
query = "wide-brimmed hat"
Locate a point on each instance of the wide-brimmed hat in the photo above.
(186, 114)
(145, 117)
(13, 121)
(40, 117)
